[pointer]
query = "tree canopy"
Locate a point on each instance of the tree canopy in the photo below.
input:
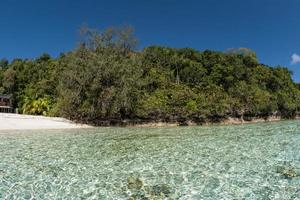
(105, 78)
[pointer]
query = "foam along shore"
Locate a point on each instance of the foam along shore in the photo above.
(29, 122)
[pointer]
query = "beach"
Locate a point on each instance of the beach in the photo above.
(29, 122)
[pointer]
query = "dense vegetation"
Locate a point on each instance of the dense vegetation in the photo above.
(105, 79)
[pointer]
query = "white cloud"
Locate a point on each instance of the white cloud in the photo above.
(295, 59)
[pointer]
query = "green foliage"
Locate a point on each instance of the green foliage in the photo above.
(9, 80)
(105, 79)
(39, 106)
(100, 82)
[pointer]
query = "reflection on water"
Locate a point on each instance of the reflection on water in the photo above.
(259, 161)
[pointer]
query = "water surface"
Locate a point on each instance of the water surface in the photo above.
(258, 161)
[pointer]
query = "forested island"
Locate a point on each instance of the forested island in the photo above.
(106, 81)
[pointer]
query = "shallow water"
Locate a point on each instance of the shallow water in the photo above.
(258, 161)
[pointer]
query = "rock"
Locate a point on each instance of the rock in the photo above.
(163, 190)
(134, 183)
(138, 191)
(288, 172)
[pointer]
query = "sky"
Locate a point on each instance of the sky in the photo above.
(269, 27)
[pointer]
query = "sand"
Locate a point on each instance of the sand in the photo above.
(28, 122)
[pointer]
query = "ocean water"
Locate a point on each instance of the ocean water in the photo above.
(256, 161)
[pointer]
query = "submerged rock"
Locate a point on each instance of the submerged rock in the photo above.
(134, 183)
(163, 190)
(138, 191)
(288, 172)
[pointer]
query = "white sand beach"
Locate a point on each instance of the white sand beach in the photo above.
(28, 122)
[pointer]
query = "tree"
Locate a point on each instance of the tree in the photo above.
(101, 79)
(3, 63)
(105, 78)
(9, 80)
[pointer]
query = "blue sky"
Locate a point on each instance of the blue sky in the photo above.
(270, 27)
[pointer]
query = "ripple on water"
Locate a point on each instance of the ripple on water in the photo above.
(258, 161)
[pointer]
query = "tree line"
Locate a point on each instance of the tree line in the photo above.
(105, 79)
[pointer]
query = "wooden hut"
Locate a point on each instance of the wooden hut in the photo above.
(6, 104)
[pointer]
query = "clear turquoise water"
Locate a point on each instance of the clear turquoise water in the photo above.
(260, 161)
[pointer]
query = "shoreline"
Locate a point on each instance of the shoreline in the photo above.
(31, 122)
(174, 123)
(229, 121)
